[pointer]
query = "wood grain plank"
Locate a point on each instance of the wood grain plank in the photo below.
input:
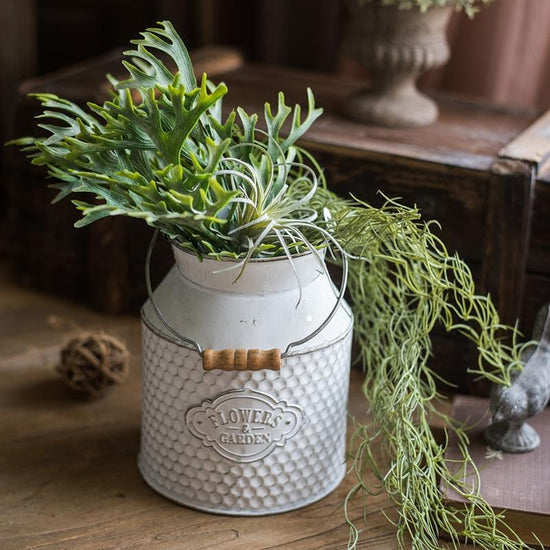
(539, 247)
(68, 472)
(17, 54)
(466, 134)
(532, 145)
(454, 197)
(509, 214)
(107, 259)
(86, 81)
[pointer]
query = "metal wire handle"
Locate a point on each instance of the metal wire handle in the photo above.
(196, 345)
(161, 317)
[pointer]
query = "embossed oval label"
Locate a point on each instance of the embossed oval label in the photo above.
(244, 425)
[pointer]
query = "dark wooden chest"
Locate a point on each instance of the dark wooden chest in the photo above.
(483, 172)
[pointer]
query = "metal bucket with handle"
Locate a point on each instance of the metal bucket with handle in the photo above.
(245, 382)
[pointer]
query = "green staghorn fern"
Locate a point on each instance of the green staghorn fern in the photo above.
(160, 149)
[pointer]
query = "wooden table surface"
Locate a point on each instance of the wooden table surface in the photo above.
(68, 473)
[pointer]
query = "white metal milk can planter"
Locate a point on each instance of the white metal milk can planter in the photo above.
(230, 423)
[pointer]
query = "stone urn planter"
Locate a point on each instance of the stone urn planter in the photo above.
(396, 46)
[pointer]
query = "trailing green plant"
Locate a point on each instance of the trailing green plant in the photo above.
(403, 283)
(161, 150)
(470, 7)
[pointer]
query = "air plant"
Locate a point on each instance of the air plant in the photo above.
(225, 186)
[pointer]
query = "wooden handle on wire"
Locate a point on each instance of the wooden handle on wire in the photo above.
(241, 359)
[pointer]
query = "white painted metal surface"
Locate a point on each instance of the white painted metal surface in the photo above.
(241, 442)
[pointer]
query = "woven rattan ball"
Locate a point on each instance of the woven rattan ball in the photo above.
(92, 362)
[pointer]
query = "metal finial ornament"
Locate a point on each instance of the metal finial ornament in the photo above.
(525, 397)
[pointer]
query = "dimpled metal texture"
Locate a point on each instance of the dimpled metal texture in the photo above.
(180, 466)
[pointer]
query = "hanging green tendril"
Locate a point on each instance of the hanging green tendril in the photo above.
(403, 282)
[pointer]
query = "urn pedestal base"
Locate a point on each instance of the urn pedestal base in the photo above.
(399, 108)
